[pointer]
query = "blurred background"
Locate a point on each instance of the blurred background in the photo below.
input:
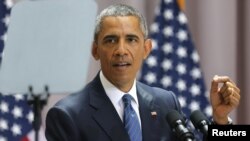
(220, 32)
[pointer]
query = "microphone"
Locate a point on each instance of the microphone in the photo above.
(200, 121)
(176, 122)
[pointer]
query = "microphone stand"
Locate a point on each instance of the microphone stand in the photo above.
(37, 101)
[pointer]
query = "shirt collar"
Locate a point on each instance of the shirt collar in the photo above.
(114, 94)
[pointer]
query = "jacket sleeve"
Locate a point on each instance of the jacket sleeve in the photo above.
(60, 126)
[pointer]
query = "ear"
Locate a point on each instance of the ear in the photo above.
(147, 48)
(94, 51)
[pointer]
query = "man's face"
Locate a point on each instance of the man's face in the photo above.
(121, 48)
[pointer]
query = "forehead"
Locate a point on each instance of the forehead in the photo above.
(120, 22)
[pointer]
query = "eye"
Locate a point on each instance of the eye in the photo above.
(110, 40)
(132, 39)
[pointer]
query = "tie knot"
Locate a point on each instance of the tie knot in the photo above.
(126, 99)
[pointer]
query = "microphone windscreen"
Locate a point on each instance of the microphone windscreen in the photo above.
(196, 117)
(173, 116)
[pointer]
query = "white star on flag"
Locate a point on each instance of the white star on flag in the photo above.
(167, 48)
(4, 107)
(182, 18)
(154, 27)
(167, 64)
(17, 112)
(6, 20)
(152, 61)
(9, 3)
(166, 81)
(168, 31)
(3, 125)
(2, 138)
(16, 129)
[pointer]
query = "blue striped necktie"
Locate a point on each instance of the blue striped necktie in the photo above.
(131, 121)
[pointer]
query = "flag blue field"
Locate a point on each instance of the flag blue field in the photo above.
(174, 62)
(16, 118)
(5, 7)
(16, 115)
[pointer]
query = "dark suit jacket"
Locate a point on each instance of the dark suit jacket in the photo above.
(89, 115)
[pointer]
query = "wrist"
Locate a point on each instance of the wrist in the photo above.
(228, 122)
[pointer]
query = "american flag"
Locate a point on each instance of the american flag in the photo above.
(15, 114)
(174, 62)
(5, 7)
(16, 118)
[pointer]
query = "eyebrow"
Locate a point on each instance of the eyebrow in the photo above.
(132, 36)
(110, 37)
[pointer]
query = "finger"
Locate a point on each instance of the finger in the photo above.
(225, 87)
(227, 94)
(225, 79)
(235, 94)
(226, 91)
(232, 84)
(236, 89)
(222, 79)
(229, 85)
(214, 85)
(232, 100)
(226, 98)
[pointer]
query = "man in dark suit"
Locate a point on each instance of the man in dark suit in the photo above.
(97, 112)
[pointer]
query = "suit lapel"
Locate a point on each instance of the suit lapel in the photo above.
(149, 113)
(108, 119)
(106, 115)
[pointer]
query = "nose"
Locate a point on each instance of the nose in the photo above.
(121, 49)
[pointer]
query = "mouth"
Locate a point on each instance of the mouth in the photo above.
(121, 64)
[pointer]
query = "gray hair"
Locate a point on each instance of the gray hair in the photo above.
(120, 10)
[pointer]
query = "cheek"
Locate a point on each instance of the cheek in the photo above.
(105, 57)
(138, 53)
(138, 57)
(102, 53)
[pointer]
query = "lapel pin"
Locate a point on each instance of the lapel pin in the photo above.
(154, 114)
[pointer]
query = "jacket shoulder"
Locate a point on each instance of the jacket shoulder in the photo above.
(161, 96)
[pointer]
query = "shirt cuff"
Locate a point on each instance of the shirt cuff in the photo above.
(230, 122)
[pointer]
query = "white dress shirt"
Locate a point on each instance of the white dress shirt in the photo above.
(115, 95)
